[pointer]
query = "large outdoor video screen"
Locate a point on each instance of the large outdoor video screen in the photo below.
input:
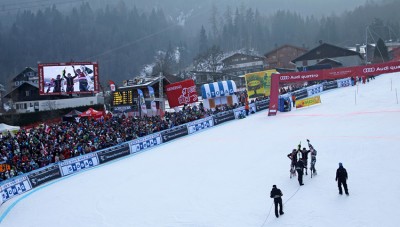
(68, 78)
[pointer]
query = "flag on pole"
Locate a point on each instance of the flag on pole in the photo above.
(142, 101)
(151, 92)
(140, 92)
(153, 97)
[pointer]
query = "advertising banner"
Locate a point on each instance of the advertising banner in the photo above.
(77, 164)
(220, 118)
(181, 93)
(145, 142)
(15, 187)
(329, 85)
(68, 78)
(308, 102)
(173, 133)
(262, 105)
(258, 84)
(199, 125)
(44, 175)
(314, 90)
(112, 153)
(344, 82)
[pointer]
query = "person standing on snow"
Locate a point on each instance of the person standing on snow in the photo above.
(293, 157)
(304, 157)
(341, 178)
(313, 158)
(299, 169)
(276, 194)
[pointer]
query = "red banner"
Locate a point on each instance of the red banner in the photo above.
(181, 93)
(328, 74)
(338, 73)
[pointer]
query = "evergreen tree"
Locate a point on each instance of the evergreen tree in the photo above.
(203, 41)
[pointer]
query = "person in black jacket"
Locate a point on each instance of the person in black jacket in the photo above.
(276, 194)
(293, 158)
(57, 84)
(341, 178)
(299, 169)
(304, 157)
(70, 82)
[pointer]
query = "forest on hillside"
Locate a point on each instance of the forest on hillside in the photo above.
(123, 40)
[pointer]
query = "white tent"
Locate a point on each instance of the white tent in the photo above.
(4, 128)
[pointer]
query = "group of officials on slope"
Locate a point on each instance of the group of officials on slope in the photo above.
(299, 160)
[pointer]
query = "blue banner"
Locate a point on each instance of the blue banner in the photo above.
(15, 187)
(200, 125)
(144, 143)
(79, 163)
(151, 92)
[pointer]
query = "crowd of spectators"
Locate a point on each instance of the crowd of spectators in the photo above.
(27, 150)
(292, 87)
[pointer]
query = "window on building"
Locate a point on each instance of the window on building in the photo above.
(27, 93)
(25, 106)
(243, 59)
(16, 83)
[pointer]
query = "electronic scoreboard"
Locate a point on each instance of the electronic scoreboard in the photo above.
(123, 98)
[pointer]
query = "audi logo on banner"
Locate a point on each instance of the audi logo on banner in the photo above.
(368, 70)
(285, 77)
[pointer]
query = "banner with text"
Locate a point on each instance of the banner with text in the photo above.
(113, 153)
(220, 118)
(44, 175)
(308, 102)
(180, 93)
(199, 125)
(14, 187)
(258, 84)
(145, 142)
(77, 164)
(173, 133)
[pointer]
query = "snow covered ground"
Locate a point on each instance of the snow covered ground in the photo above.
(223, 176)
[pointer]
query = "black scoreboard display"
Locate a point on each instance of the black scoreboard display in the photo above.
(123, 98)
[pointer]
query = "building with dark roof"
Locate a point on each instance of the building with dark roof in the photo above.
(238, 64)
(280, 58)
(329, 53)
